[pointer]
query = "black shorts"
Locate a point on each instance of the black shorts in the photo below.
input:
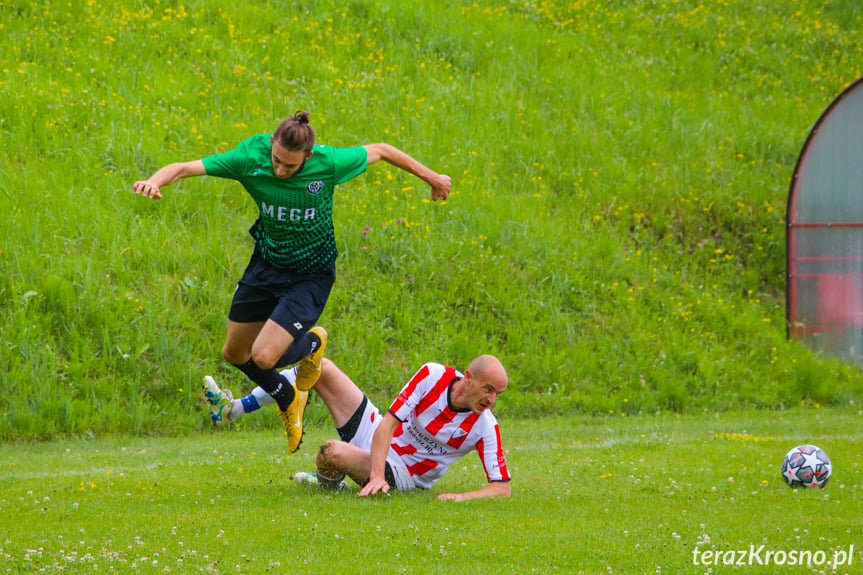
(293, 301)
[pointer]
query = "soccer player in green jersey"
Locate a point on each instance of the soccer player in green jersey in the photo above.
(282, 293)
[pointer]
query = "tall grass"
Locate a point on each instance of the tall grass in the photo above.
(615, 232)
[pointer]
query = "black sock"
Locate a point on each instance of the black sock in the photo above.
(271, 381)
(299, 349)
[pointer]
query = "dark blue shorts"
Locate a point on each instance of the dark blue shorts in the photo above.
(293, 301)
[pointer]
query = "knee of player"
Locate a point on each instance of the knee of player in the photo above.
(329, 452)
(265, 359)
(229, 357)
(328, 369)
(325, 449)
(234, 354)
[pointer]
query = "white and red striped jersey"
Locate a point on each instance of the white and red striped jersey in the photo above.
(433, 434)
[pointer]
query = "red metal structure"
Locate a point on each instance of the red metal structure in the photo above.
(824, 240)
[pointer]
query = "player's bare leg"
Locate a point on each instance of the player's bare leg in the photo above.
(340, 394)
(239, 341)
(336, 459)
(270, 345)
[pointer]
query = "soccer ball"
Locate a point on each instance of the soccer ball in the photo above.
(806, 466)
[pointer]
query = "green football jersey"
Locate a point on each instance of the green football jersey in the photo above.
(294, 229)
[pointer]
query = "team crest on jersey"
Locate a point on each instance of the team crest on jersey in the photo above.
(315, 188)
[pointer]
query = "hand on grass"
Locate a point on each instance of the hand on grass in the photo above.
(375, 486)
(450, 497)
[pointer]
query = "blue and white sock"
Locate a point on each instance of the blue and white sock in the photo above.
(252, 402)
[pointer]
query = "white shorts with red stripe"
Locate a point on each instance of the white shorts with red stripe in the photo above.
(371, 419)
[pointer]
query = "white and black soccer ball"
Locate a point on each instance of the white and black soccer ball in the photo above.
(806, 466)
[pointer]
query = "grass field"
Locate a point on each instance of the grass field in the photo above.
(615, 232)
(590, 495)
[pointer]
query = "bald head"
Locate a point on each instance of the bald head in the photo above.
(484, 379)
(489, 368)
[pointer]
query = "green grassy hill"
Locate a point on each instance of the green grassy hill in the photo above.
(615, 233)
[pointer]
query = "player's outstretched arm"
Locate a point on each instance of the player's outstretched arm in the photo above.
(151, 188)
(493, 489)
(380, 448)
(440, 183)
